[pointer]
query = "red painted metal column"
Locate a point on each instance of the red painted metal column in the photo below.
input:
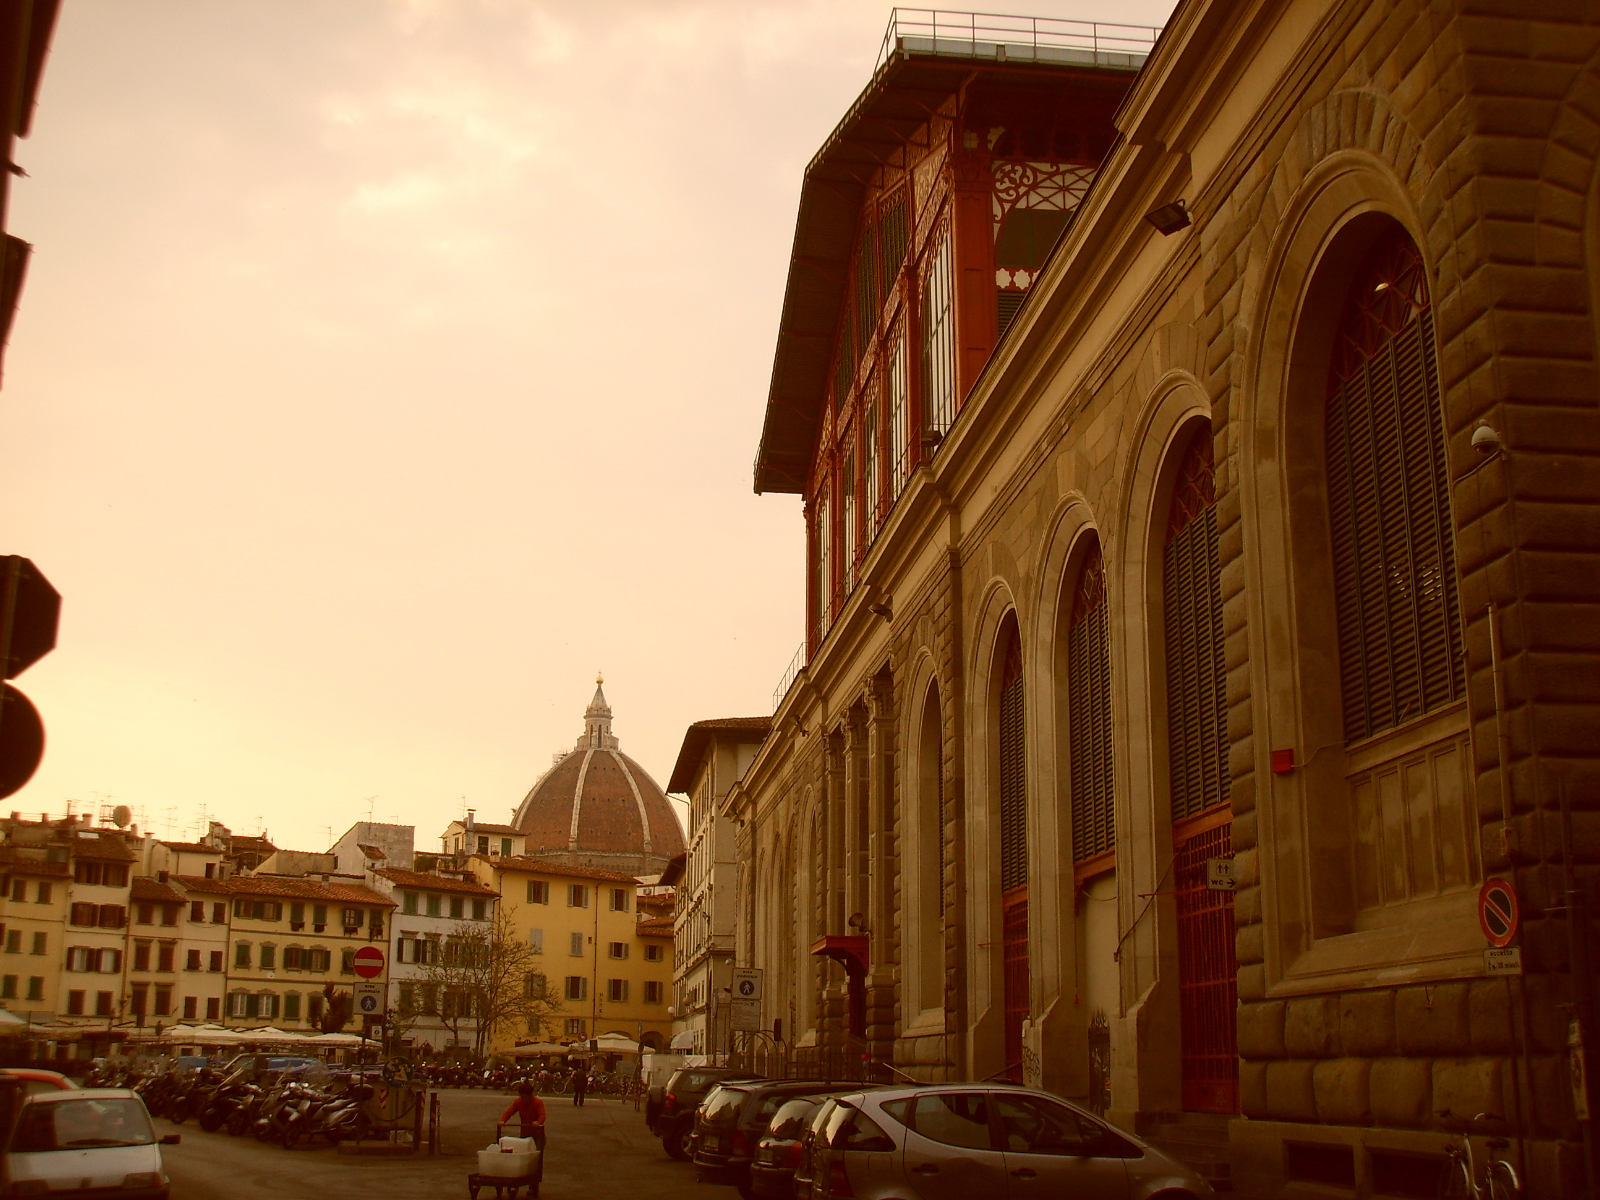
(972, 228)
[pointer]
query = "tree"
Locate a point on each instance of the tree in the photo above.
(484, 978)
(336, 1012)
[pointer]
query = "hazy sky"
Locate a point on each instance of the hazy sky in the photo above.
(384, 369)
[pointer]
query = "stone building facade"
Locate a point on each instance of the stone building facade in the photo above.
(1206, 565)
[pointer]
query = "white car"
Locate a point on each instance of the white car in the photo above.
(87, 1141)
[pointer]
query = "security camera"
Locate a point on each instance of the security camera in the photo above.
(1485, 440)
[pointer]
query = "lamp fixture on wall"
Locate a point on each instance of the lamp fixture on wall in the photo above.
(1169, 218)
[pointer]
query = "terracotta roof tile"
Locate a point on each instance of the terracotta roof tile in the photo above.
(19, 862)
(145, 888)
(656, 927)
(192, 847)
(106, 847)
(497, 830)
(293, 887)
(699, 735)
(433, 883)
(540, 866)
(199, 883)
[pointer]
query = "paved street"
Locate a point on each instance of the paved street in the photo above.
(597, 1152)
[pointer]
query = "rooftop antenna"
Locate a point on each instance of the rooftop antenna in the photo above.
(329, 830)
(370, 800)
(169, 822)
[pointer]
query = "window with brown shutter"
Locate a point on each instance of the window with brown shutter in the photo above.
(1400, 637)
(1013, 780)
(1191, 575)
(1089, 713)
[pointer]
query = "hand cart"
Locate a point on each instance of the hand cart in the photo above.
(506, 1187)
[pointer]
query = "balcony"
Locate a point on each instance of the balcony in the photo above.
(930, 31)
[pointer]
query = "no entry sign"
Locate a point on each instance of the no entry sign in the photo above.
(368, 962)
(1498, 913)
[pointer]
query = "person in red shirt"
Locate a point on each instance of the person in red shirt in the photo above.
(529, 1110)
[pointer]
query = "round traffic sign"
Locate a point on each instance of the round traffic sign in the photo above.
(1498, 913)
(368, 962)
(368, 1005)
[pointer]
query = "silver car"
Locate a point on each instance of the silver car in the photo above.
(98, 1141)
(956, 1141)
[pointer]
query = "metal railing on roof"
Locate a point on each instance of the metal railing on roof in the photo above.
(796, 665)
(1016, 39)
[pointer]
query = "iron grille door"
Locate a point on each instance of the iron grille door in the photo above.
(1013, 858)
(1207, 971)
(1089, 714)
(1400, 637)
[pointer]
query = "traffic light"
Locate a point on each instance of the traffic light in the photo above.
(30, 610)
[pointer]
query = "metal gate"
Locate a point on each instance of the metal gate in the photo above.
(1207, 975)
(1014, 936)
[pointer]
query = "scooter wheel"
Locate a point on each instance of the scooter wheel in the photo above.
(291, 1137)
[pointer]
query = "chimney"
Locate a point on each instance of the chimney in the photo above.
(162, 876)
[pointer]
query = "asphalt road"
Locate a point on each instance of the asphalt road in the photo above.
(598, 1152)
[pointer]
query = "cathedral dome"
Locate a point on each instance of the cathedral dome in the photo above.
(596, 807)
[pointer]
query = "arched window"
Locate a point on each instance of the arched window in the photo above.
(1400, 638)
(1197, 709)
(1013, 853)
(1089, 713)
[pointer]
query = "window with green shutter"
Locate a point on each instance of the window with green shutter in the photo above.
(1197, 709)
(1089, 713)
(1400, 637)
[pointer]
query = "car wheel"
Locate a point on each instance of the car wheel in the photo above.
(672, 1143)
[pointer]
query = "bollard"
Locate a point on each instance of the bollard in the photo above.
(433, 1122)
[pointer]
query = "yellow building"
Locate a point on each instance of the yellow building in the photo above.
(611, 974)
(290, 936)
(33, 900)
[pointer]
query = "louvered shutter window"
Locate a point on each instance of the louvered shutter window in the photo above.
(938, 341)
(1197, 708)
(1013, 781)
(824, 583)
(1400, 638)
(1089, 712)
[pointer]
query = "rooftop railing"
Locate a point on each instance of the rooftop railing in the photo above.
(1016, 39)
(796, 665)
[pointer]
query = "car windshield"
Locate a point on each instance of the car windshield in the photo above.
(82, 1125)
(723, 1104)
(694, 1081)
(789, 1124)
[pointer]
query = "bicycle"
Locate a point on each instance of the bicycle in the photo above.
(1459, 1180)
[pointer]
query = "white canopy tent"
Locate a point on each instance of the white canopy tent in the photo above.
(536, 1050)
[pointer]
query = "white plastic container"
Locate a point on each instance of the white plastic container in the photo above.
(517, 1161)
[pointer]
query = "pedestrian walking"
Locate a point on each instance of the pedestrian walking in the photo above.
(580, 1082)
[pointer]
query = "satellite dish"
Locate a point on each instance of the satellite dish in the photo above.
(121, 815)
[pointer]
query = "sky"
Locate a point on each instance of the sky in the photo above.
(387, 368)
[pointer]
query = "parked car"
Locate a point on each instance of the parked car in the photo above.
(731, 1119)
(779, 1149)
(37, 1079)
(944, 1141)
(92, 1141)
(685, 1090)
(800, 1182)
